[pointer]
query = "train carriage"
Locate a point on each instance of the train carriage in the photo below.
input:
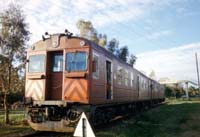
(68, 75)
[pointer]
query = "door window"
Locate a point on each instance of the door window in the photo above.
(57, 65)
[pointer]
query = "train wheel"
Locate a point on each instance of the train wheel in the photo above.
(97, 116)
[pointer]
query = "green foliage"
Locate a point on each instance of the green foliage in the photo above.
(113, 45)
(170, 120)
(168, 92)
(123, 53)
(17, 126)
(102, 40)
(178, 92)
(16, 116)
(16, 97)
(174, 91)
(193, 91)
(152, 75)
(14, 33)
(13, 38)
(132, 59)
(88, 31)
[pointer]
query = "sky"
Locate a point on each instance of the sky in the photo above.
(163, 34)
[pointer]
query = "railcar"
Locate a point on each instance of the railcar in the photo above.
(68, 75)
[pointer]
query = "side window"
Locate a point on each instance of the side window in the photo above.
(156, 88)
(146, 85)
(95, 66)
(126, 77)
(132, 79)
(119, 75)
(141, 83)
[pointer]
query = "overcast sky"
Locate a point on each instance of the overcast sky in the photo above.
(163, 34)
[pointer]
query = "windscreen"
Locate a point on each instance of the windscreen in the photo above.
(76, 61)
(36, 63)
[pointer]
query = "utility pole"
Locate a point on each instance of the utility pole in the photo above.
(197, 66)
(186, 90)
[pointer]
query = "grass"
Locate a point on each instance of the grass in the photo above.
(15, 116)
(14, 130)
(16, 126)
(175, 119)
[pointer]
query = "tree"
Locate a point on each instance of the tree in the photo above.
(152, 75)
(179, 91)
(132, 59)
(174, 91)
(13, 37)
(123, 53)
(113, 45)
(168, 91)
(86, 28)
(88, 31)
(102, 40)
(193, 91)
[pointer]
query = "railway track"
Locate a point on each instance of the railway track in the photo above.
(101, 127)
(118, 120)
(48, 134)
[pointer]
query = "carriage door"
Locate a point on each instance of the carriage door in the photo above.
(55, 76)
(151, 89)
(108, 80)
